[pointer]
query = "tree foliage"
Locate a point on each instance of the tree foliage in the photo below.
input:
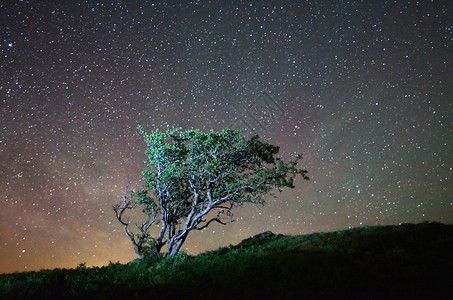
(195, 178)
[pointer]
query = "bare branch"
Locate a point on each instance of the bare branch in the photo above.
(137, 240)
(213, 220)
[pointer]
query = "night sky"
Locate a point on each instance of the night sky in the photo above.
(362, 88)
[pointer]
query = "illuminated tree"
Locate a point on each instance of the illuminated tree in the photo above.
(195, 178)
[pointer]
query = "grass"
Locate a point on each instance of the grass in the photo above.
(389, 262)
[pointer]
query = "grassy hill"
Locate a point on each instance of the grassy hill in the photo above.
(389, 262)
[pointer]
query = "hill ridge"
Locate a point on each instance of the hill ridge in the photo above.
(395, 261)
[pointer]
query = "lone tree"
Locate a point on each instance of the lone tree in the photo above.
(195, 178)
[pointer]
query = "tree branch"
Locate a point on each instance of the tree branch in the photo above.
(213, 220)
(138, 239)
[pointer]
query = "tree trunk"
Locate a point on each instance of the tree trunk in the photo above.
(139, 251)
(175, 246)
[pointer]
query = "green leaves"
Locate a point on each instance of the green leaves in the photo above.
(227, 163)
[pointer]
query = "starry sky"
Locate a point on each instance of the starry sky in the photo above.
(362, 88)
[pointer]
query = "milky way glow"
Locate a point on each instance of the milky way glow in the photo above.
(362, 88)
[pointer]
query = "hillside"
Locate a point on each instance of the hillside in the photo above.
(392, 262)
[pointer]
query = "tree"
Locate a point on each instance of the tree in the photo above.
(195, 178)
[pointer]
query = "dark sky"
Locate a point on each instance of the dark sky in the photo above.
(362, 88)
